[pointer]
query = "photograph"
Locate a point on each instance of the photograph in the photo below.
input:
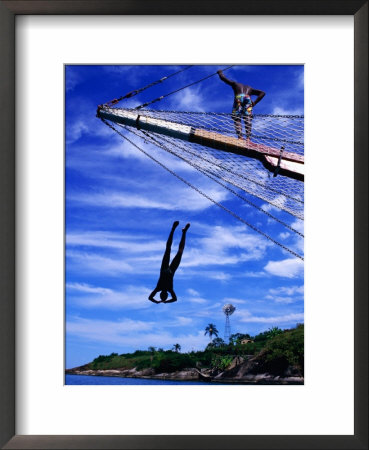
(184, 224)
(153, 224)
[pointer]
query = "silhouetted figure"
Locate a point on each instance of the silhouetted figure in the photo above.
(242, 104)
(167, 271)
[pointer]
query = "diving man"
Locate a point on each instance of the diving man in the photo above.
(167, 271)
(242, 104)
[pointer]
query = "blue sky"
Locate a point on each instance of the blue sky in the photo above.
(120, 207)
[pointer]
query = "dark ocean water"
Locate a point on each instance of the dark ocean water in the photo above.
(93, 380)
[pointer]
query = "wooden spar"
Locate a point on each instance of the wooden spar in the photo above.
(203, 136)
(290, 164)
(140, 122)
(273, 159)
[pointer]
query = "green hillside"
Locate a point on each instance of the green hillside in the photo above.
(274, 351)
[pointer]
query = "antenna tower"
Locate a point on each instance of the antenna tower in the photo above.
(228, 310)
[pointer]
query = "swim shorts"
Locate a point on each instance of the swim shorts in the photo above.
(242, 105)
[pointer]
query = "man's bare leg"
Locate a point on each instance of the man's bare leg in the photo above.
(166, 257)
(177, 259)
(248, 126)
(237, 125)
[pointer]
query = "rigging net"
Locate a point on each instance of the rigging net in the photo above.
(242, 172)
(207, 142)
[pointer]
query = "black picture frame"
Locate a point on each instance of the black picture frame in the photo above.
(8, 11)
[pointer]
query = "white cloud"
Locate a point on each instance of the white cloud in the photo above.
(285, 300)
(287, 290)
(181, 321)
(221, 276)
(88, 296)
(286, 294)
(76, 130)
(176, 198)
(226, 245)
(208, 310)
(85, 288)
(232, 300)
(300, 80)
(124, 150)
(91, 262)
(197, 299)
(127, 150)
(277, 203)
(132, 334)
(118, 200)
(193, 292)
(287, 112)
(85, 123)
(206, 247)
(288, 268)
(298, 225)
(106, 331)
(211, 274)
(72, 79)
(245, 316)
(284, 236)
(189, 99)
(105, 239)
(259, 274)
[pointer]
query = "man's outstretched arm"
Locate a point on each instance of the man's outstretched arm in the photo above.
(260, 96)
(152, 295)
(173, 299)
(224, 78)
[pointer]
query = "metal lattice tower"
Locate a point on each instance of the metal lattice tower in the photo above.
(228, 310)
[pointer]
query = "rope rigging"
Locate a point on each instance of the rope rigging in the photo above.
(228, 169)
(207, 142)
(218, 158)
(137, 91)
(213, 162)
(209, 175)
(236, 216)
(178, 90)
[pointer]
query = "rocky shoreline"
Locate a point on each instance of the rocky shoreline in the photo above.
(231, 376)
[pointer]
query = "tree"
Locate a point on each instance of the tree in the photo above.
(275, 331)
(211, 330)
(176, 348)
(218, 342)
(269, 334)
(152, 350)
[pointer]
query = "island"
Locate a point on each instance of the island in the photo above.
(273, 357)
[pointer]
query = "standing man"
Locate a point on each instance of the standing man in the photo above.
(167, 271)
(242, 105)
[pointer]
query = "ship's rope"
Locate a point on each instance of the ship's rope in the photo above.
(208, 197)
(245, 173)
(158, 99)
(138, 91)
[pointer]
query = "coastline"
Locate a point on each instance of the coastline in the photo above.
(191, 374)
